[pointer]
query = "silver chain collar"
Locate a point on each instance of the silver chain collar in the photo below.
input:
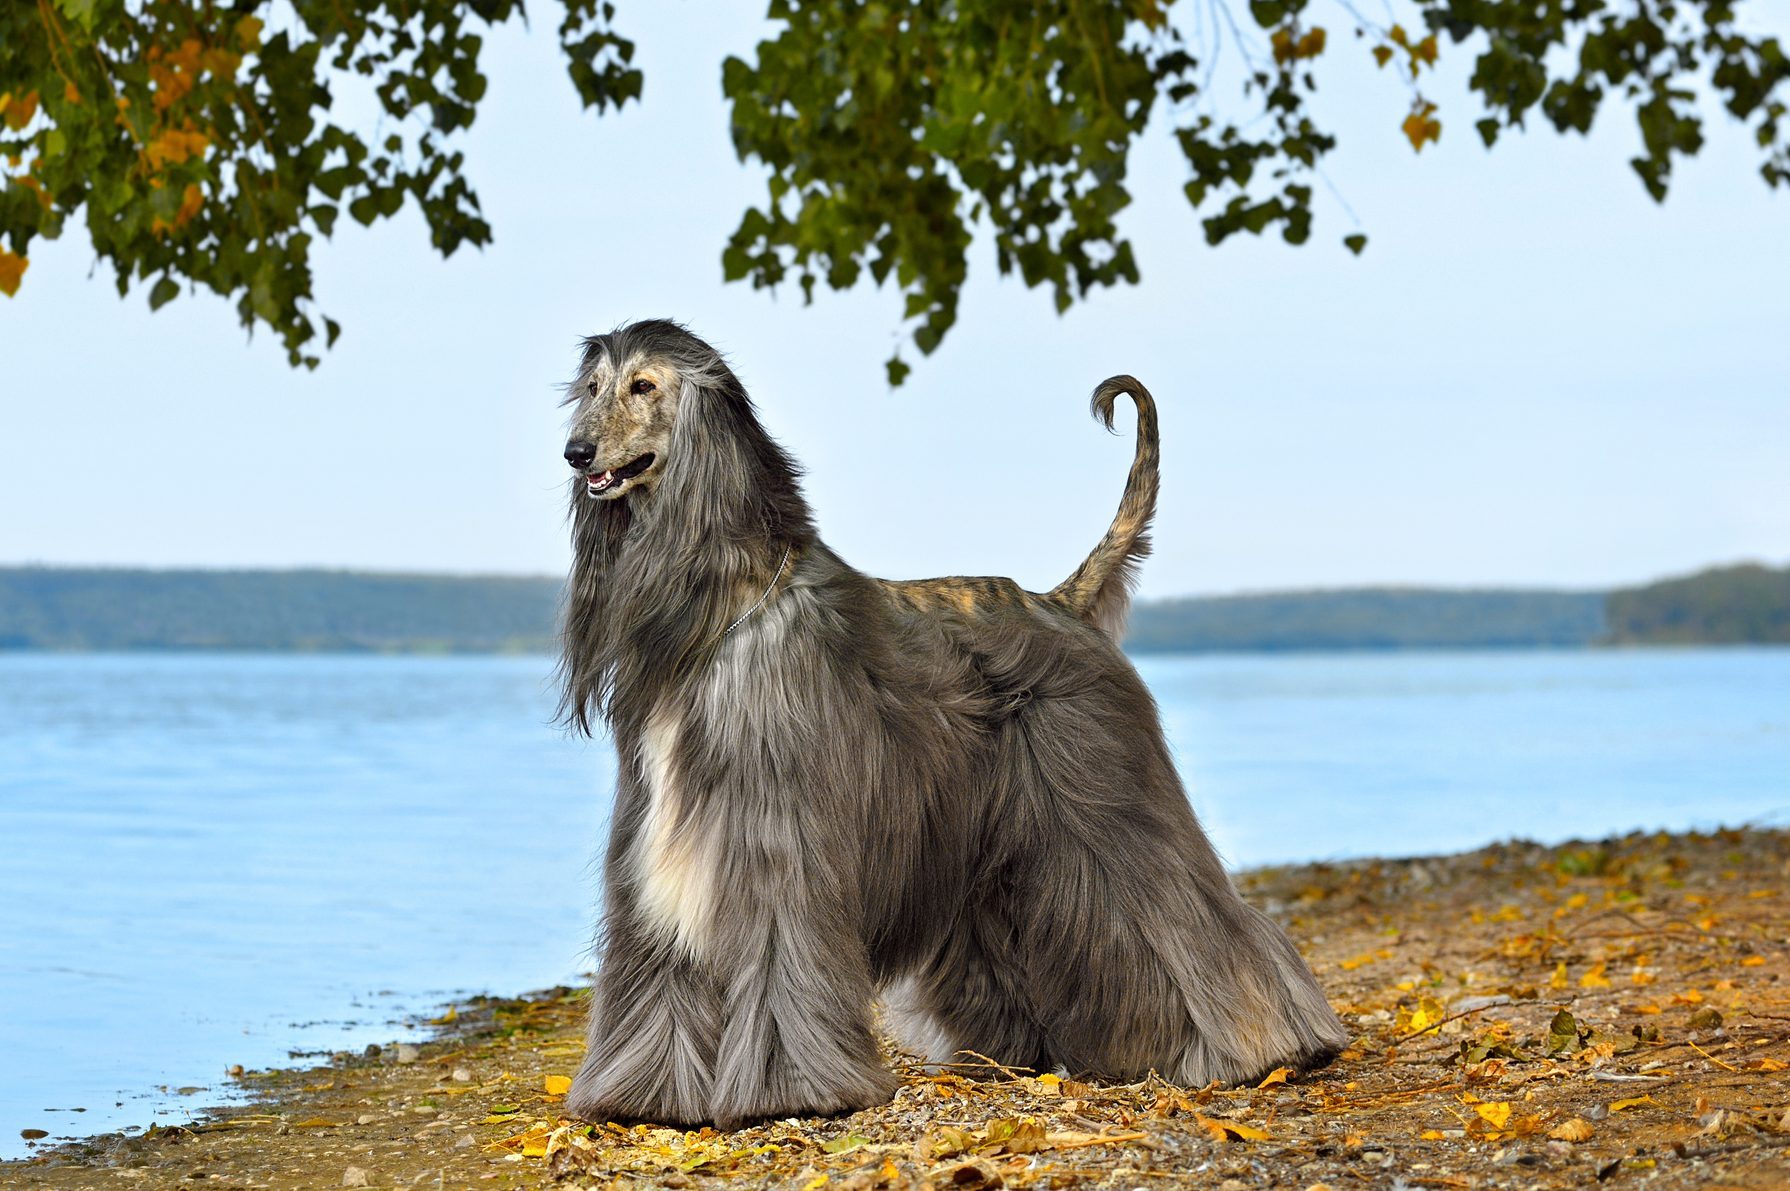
(747, 614)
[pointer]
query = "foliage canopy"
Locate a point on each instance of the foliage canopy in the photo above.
(200, 141)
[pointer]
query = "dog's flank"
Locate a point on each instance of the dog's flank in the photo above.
(954, 792)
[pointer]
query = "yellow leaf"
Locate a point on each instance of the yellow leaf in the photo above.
(1766, 1065)
(1421, 126)
(20, 110)
(1225, 1130)
(1573, 1130)
(1753, 961)
(819, 1180)
(446, 1019)
(1559, 978)
(1427, 1012)
(248, 33)
(557, 1085)
(315, 1123)
(1432, 1135)
(1631, 1102)
(1497, 1113)
(12, 268)
(1278, 1075)
(1595, 978)
(1051, 1085)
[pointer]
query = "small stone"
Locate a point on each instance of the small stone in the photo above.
(408, 1053)
(464, 1142)
(354, 1176)
(1233, 1185)
(462, 1075)
(1596, 1112)
(372, 1051)
(1706, 1018)
(33, 1134)
(367, 1118)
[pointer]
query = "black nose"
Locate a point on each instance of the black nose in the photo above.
(580, 453)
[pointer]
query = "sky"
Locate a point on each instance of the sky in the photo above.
(1534, 376)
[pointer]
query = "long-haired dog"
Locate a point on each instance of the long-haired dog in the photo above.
(950, 793)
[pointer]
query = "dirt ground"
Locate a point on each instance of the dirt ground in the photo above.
(1612, 1013)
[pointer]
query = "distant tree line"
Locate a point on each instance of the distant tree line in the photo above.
(57, 608)
(1748, 603)
(104, 609)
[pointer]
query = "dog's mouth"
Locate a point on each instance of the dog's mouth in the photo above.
(596, 485)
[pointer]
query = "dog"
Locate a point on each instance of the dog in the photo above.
(952, 795)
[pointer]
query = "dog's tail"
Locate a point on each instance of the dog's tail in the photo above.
(1100, 589)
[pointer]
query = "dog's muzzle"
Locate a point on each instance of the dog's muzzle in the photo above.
(596, 485)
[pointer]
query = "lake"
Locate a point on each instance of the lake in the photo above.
(210, 860)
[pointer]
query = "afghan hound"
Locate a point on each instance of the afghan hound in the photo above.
(952, 794)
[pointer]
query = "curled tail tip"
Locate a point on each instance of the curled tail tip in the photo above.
(1107, 393)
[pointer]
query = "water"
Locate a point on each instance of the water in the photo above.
(210, 860)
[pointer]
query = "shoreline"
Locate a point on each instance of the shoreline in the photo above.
(1668, 954)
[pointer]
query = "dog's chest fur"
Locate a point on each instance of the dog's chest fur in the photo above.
(672, 866)
(674, 854)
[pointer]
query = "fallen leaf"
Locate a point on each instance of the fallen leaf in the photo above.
(845, 1144)
(1631, 1102)
(315, 1123)
(1222, 1130)
(556, 1085)
(1497, 1113)
(1563, 1033)
(1278, 1075)
(1595, 978)
(446, 1019)
(1576, 1129)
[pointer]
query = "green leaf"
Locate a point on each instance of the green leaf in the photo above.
(1355, 243)
(164, 291)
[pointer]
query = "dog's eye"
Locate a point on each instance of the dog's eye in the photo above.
(641, 387)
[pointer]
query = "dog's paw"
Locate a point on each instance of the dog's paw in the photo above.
(589, 1100)
(864, 1088)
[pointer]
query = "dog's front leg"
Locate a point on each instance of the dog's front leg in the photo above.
(796, 1037)
(650, 1048)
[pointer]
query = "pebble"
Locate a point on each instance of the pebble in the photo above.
(408, 1053)
(1595, 1112)
(367, 1118)
(462, 1075)
(354, 1176)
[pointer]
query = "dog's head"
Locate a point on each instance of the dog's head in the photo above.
(629, 389)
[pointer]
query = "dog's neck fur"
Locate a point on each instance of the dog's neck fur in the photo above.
(657, 575)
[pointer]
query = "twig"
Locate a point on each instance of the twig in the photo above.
(1711, 1058)
(1617, 1077)
(1009, 1072)
(1109, 1139)
(1451, 1017)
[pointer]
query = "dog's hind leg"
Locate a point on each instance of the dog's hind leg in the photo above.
(970, 996)
(1140, 951)
(650, 1047)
